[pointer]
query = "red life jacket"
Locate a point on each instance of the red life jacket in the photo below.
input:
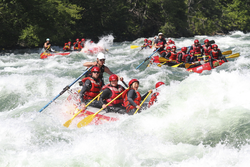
(215, 53)
(173, 55)
(170, 42)
(95, 89)
(161, 43)
(207, 49)
(115, 92)
(137, 101)
(197, 49)
(153, 99)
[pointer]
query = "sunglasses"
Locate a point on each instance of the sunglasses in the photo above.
(96, 72)
(102, 59)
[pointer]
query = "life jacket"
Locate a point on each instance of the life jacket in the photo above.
(153, 99)
(77, 45)
(47, 45)
(115, 92)
(66, 47)
(206, 49)
(95, 89)
(197, 49)
(137, 101)
(181, 57)
(215, 53)
(170, 42)
(173, 55)
(161, 42)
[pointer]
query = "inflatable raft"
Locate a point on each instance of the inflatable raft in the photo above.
(46, 55)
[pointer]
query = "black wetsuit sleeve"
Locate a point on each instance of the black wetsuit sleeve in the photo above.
(168, 55)
(87, 86)
(180, 57)
(131, 96)
(202, 51)
(106, 94)
(211, 55)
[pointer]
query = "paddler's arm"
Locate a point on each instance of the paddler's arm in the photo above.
(89, 64)
(106, 94)
(87, 86)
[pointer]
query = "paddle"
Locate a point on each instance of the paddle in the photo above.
(176, 65)
(124, 83)
(234, 55)
(89, 118)
(134, 46)
(147, 58)
(142, 102)
(66, 124)
(64, 89)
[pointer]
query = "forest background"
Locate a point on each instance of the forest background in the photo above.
(27, 23)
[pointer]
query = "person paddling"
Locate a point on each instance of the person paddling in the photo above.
(216, 55)
(47, 46)
(161, 43)
(133, 97)
(206, 49)
(154, 95)
(100, 63)
(110, 91)
(196, 47)
(91, 88)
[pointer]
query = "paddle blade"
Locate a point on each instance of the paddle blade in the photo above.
(234, 55)
(187, 65)
(176, 65)
(86, 121)
(162, 59)
(66, 124)
(227, 52)
(212, 42)
(134, 46)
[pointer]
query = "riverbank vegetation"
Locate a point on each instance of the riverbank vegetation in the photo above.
(28, 23)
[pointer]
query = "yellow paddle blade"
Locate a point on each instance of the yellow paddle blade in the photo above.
(134, 46)
(162, 59)
(187, 65)
(86, 121)
(197, 54)
(176, 65)
(66, 124)
(159, 65)
(227, 52)
(234, 55)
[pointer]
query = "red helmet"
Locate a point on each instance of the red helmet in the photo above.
(91, 41)
(196, 41)
(214, 46)
(145, 40)
(168, 48)
(149, 41)
(132, 81)
(69, 42)
(184, 49)
(159, 84)
(97, 69)
(191, 51)
(65, 43)
(83, 39)
(113, 77)
(173, 47)
(206, 41)
(77, 39)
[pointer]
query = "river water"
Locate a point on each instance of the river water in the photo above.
(199, 119)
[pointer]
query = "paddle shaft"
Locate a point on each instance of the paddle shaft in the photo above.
(142, 102)
(65, 89)
(147, 58)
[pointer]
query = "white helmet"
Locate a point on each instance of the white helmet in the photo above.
(47, 39)
(169, 39)
(160, 34)
(101, 56)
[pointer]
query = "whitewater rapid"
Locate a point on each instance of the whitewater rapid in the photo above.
(199, 119)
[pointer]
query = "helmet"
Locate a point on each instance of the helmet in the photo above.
(168, 48)
(173, 47)
(132, 81)
(145, 40)
(214, 46)
(95, 69)
(65, 43)
(184, 49)
(160, 34)
(196, 41)
(206, 41)
(47, 39)
(169, 39)
(191, 51)
(77, 39)
(100, 56)
(113, 77)
(159, 84)
(149, 41)
(69, 42)
(83, 39)
(91, 41)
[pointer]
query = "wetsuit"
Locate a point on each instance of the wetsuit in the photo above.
(216, 55)
(107, 96)
(49, 49)
(130, 97)
(87, 87)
